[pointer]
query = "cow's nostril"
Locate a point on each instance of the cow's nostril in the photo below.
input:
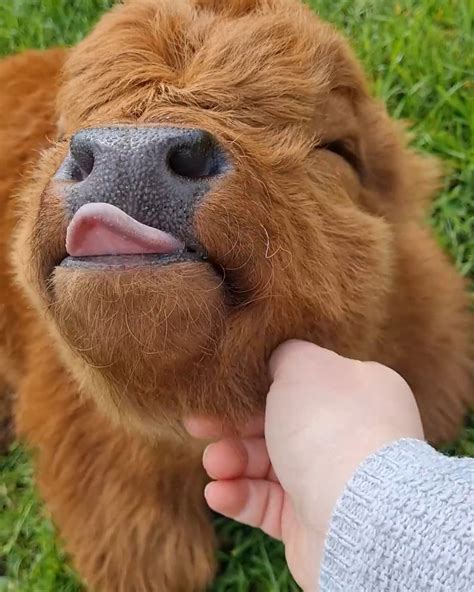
(195, 160)
(82, 157)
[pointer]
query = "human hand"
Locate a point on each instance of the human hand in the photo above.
(284, 473)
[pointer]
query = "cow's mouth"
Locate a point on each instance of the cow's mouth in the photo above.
(116, 262)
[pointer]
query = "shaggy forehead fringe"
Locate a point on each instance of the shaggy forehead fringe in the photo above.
(250, 62)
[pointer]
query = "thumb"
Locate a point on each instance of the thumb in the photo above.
(294, 359)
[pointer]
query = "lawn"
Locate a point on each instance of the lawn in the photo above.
(419, 57)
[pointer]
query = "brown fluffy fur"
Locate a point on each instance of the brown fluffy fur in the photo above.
(105, 365)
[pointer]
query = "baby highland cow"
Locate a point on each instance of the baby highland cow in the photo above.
(194, 183)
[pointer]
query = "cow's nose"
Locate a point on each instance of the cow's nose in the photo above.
(157, 175)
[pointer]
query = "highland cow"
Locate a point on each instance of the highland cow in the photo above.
(194, 183)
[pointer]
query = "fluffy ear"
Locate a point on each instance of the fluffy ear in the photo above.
(357, 127)
(395, 171)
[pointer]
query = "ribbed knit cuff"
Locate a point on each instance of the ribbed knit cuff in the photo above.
(397, 525)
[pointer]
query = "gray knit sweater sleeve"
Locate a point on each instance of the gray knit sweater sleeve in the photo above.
(403, 524)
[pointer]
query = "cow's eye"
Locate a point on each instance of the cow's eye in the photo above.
(347, 150)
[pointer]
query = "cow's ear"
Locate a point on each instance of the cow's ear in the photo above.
(397, 174)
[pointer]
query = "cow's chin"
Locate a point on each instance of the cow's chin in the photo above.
(137, 337)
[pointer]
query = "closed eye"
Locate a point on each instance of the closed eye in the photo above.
(346, 150)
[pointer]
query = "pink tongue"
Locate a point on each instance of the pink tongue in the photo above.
(102, 229)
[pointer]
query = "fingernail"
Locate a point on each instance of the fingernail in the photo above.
(206, 490)
(205, 454)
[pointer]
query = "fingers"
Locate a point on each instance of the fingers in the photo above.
(258, 503)
(207, 428)
(233, 458)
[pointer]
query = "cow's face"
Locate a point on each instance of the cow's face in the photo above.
(215, 191)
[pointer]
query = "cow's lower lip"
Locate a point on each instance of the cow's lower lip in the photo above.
(115, 262)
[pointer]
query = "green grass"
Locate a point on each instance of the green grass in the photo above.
(419, 56)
